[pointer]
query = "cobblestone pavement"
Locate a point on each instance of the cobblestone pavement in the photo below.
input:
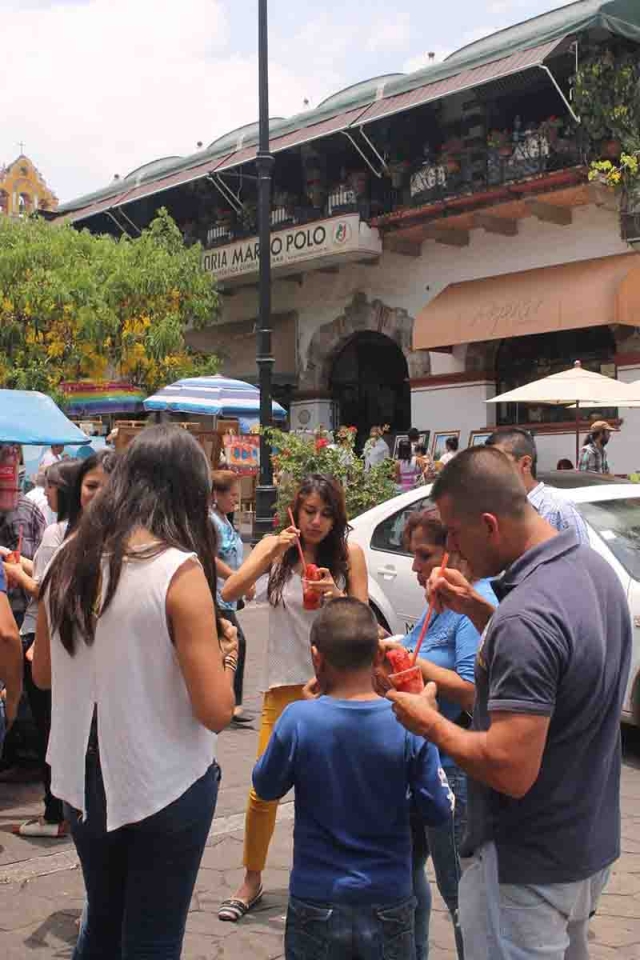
(41, 890)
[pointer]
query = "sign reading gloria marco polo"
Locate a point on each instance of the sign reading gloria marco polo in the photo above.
(314, 245)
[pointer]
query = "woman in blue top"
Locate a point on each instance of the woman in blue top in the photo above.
(447, 657)
(225, 491)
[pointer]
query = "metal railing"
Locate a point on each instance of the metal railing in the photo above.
(473, 169)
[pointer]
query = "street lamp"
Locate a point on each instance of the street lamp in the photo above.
(265, 491)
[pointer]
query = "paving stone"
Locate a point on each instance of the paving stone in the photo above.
(37, 917)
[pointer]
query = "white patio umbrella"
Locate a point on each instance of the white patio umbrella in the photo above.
(574, 388)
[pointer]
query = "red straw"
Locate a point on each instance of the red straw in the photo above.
(425, 625)
(302, 560)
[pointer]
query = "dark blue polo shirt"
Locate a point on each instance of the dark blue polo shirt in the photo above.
(559, 646)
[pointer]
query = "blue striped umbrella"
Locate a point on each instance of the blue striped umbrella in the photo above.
(215, 397)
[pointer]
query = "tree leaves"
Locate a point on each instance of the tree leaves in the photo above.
(74, 305)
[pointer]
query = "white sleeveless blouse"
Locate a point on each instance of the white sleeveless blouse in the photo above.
(288, 660)
(152, 748)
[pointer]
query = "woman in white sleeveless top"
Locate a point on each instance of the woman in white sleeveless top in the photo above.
(128, 641)
(321, 524)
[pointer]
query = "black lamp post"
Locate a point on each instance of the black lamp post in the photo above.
(265, 491)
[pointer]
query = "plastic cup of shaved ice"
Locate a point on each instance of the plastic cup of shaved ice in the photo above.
(311, 599)
(408, 681)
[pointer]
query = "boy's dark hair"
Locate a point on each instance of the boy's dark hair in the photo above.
(452, 444)
(414, 435)
(481, 480)
(346, 633)
(518, 442)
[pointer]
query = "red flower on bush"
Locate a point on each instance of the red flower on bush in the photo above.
(276, 522)
(321, 442)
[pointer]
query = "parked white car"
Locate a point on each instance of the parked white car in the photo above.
(610, 509)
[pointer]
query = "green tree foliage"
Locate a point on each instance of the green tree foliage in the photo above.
(75, 306)
(297, 455)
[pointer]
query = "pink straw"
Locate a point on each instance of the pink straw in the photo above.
(19, 547)
(425, 625)
(302, 560)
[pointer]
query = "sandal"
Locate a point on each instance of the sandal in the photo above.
(233, 910)
(40, 828)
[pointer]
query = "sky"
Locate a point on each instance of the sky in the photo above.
(95, 88)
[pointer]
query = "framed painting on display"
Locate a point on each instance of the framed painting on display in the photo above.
(424, 440)
(478, 438)
(440, 438)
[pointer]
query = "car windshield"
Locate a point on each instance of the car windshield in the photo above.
(618, 523)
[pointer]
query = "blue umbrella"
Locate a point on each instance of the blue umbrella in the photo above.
(215, 397)
(30, 417)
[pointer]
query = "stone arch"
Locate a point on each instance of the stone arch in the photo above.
(360, 315)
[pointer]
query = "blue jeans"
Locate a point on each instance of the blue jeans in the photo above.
(334, 931)
(442, 843)
(510, 921)
(139, 878)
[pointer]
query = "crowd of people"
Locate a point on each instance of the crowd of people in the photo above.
(120, 620)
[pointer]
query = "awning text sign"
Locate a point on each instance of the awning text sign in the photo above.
(324, 240)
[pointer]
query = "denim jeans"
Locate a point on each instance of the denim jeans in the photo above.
(139, 878)
(442, 843)
(40, 706)
(508, 921)
(332, 931)
(3, 725)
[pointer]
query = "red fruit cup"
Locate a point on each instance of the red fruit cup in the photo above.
(408, 681)
(311, 599)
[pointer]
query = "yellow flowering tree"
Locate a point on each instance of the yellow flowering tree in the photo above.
(77, 306)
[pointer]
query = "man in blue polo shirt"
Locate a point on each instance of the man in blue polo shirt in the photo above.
(10, 662)
(543, 756)
(520, 448)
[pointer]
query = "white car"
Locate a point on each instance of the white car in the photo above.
(611, 510)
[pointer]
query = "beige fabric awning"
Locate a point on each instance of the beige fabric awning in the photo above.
(588, 293)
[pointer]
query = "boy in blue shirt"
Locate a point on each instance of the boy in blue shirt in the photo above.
(354, 770)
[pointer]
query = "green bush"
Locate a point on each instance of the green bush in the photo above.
(296, 456)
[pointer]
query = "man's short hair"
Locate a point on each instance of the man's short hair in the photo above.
(414, 435)
(518, 442)
(452, 443)
(346, 633)
(481, 480)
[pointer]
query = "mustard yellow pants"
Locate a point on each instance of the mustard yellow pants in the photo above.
(261, 814)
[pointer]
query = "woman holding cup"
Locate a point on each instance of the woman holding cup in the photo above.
(318, 535)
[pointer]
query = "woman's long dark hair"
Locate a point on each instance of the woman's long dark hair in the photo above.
(160, 484)
(103, 458)
(404, 450)
(332, 551)
(62, 476)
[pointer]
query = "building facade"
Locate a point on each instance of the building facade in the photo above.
(435, 241)
(23, 190)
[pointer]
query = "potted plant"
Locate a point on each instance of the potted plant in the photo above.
(450, 154)
(606, 99)
(500, 141)
(550, 128)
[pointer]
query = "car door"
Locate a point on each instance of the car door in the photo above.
(390, 566)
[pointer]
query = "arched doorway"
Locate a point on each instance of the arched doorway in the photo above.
(369, 381)
(521, 360)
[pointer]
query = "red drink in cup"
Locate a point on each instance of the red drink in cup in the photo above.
(405, 677)
(408, 681)
(311, 599)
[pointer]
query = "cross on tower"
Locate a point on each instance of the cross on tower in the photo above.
(21, 145)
